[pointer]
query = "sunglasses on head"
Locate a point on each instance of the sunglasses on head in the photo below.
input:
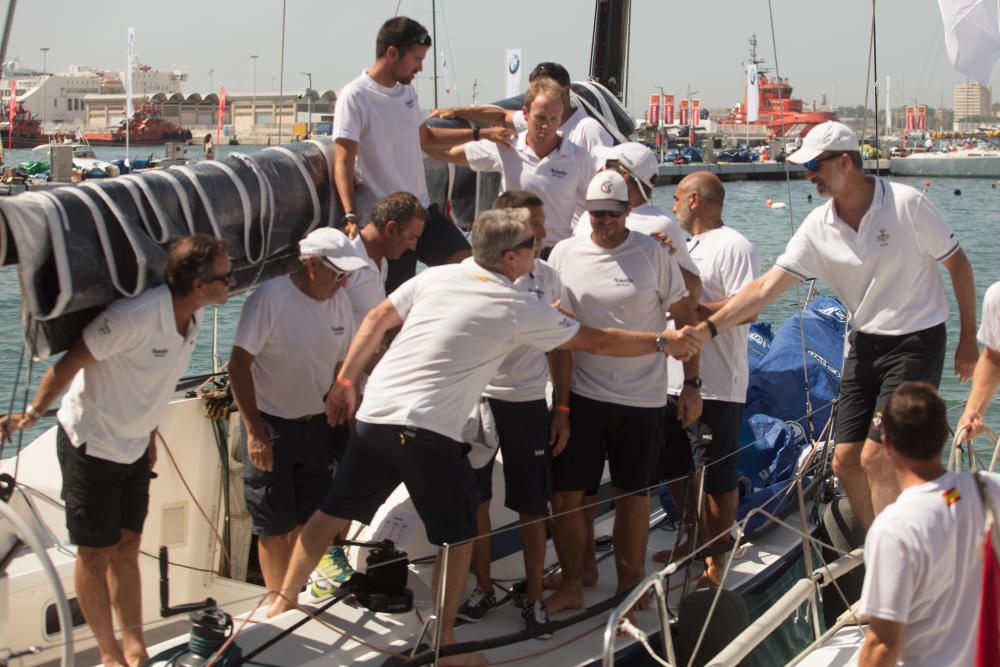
(813, 164)
(337, 273)
(420, 39)
(221, 277)
(526, 244)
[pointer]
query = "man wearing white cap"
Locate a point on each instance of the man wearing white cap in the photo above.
(614, 277)
(877, 244)
(293, 334)
(459, 323)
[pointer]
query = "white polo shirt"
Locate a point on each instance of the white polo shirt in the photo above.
(386, 124)
(628, 287)
(726, 262)
(115, 404)
(989, 326)
(523, 374)
(647, 219)
(460, 323)
(297, 341)
(579, 128)
(559, 179)
(923, 555)
(886, 273)
(366, 287)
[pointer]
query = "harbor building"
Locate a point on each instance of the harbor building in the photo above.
(972, 101)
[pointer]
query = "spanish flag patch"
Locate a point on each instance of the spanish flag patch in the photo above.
(951, 496)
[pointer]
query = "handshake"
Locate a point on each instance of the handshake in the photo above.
(686, 342)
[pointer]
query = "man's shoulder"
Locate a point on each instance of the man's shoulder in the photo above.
(572, 244)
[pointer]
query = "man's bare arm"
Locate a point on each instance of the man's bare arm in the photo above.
(345, 153)
(481, 115)
(963, 283)
(883, 643)
(745, 305)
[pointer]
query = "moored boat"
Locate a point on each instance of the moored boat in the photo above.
(146, 127)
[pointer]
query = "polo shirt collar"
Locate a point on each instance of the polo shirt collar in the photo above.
(878, 199)
(521, 145)
(484, 273)
(165, 304)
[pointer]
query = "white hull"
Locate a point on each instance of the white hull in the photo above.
(947, 164)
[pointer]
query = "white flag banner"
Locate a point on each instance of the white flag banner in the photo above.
(971, 36)
(128, 72)
(444, 73)
(753, 94)
(513, 72)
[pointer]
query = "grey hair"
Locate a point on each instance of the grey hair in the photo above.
(495, 232)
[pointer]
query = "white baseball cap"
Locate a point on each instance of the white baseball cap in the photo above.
(828, 136)
(607, 191)
(635, 158)
(334, 245)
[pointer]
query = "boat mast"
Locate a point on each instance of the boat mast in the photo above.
(434, 38)
(609, 46)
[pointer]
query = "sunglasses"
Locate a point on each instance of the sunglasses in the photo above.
(337, 273)
(526, 244)
(420, 39)
(221, 277)
(604, 214)
(813, 164)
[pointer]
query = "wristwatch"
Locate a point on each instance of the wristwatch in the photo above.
(661, 342)
(693, 382)
(350, 216)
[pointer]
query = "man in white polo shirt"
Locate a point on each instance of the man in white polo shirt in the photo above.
(542, 161)
(877, 244)
(576, 126)
(394, 226)
(459, 323)
(924, 587)
(380, 134)
(614, 277)
(121, 373)
(727, 262)
(293, 334)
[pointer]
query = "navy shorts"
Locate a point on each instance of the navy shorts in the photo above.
(523, 428)
(434, 468)
(102, 497)
(710, 443)
(876, 365)
(440, 241)
(629, 436)
(304, 455)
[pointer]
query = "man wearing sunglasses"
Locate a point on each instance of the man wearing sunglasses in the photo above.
(380, 137)
(293, 334)
(614, 277)
(121, 374)
(459, 322)
(877, 245)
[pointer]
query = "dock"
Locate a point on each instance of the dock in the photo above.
(750, 171)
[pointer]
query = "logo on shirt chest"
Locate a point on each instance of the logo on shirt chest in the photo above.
(337, 330)
(537, 291)
(105, 327)
(160, 352)
(410, 103)
(623, 282)
(882, 237)
(557, 173)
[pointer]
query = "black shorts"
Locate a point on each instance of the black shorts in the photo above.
(434, 468)
(710, 443)
(875, 366)
(523, 428)
(440, 241)
(304, 454)
(629, 436)
(102, 497)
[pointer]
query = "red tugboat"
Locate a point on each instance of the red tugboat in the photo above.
(782, 115)
(25, 131)
(146, 128)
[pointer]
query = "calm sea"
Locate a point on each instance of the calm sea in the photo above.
(972, 214)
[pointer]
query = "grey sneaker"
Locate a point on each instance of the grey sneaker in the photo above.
(536, 615)
(476, 606)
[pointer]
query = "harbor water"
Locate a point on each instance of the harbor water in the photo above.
(972, 214)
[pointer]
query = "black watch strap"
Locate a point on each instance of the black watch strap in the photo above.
(692, 382)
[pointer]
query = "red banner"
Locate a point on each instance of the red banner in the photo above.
(684, 112)
(13, 103)
(654, 109)
(922, 117)
(911, 123)
(668, 109)
(695, 112)
(222, 111)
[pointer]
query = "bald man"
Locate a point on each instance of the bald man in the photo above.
(726, 261)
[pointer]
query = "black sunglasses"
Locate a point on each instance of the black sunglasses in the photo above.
(337, 273)
(420, 39)
(221, 277)
(526, 244)
(813, 164)
(604, 214)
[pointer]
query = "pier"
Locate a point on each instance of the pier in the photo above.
(750, 171)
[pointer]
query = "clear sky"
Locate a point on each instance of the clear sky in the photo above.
(822, 45)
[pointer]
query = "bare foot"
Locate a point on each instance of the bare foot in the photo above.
(553, 582)
(564, 600)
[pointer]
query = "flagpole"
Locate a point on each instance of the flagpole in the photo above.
(128, 90)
